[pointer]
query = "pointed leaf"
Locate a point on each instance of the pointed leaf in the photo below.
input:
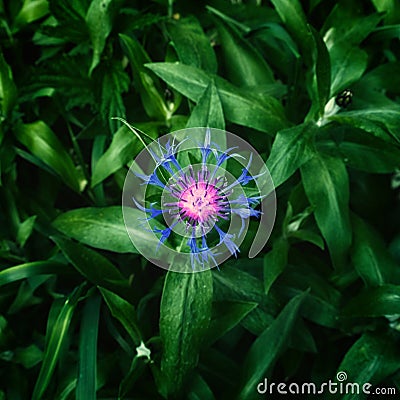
(275, 262)
(370, 255)
(148, 86)
(208, 111)
(87, 372)
(328, 193)
(123, 148)
(293, 16)
(371, 359)
(265, 114)
(321, 76)
(375, 302)
(268, 346)
(25, 230)
(8, 90)
(99, 20)
(362, 151)
(56, 334)
(226, 315)
(383, 123)
(185, 314)
(44, 144)
(244, 65)
(30, 269)
(114, 82)
(101, 227)
(348, 66)
(94, 267)
(290, 150)
(192, 44)
(124, 312)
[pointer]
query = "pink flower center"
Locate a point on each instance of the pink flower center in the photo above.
(200, 202)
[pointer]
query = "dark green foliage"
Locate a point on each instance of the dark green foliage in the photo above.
(82, 314)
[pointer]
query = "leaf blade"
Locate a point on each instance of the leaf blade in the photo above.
(99, 227)
(44, 144)
(274, 338)
(184, 318)
(56, 336)
(328, 193)
(87, 372)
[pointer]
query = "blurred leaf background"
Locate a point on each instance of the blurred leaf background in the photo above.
(82, 314)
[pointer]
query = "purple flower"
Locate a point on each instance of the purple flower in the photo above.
(200, 199)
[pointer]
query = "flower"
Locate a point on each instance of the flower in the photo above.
(200, 199)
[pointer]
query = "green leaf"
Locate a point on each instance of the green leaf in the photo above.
(208, 111)
(244, 65)
(30, 269)
(124, 312)
(28, 356)
(303, 340)
(377, 301)
(347, 26)
(94, 267)
(55, 335)
(268, 346)
(99, 20)
(97, 151)
(372, 358)
(87, 371)
(31, 11)
(348, 65)
(25, 296)
(328, 193)
(321, 76)
(344, 29)
(391, 9)
(362, 151)
(115, 81)
(290, 149)
(101, 227)
(308, 236)
(136, 370)
(8, 90)
(191, 44)
(44, 144)
(226, 315)
(185, 314)
(123, 148)
(322, 304)
(394, 248)
(69, 11)
(147, 84)
(25, 230)
(275, 262)
(68, 79)
(199, 390)
(294, 18)
(386, 76)
(383, 123)
(280, 49)
(232, 284)
(265, 114)
(370, 256)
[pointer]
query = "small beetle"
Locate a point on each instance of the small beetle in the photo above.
(344, 98)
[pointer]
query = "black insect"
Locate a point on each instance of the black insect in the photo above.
(344, 98)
